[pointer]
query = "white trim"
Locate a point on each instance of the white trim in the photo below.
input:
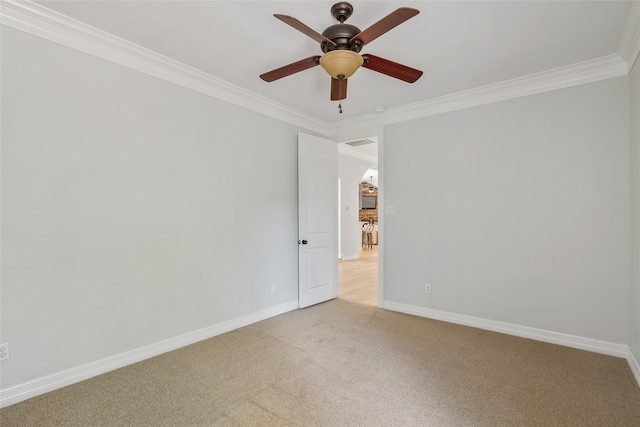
(382, 200)
(590, 71)
(634, 366)
(348, 151)
(573, 341)
(40, 21)
(350, 257)
(52, 382)
(43, 22)
(629, 47)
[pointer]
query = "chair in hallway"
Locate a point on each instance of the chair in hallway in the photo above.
(367, 234)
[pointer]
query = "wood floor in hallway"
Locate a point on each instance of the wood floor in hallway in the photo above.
(358, 278)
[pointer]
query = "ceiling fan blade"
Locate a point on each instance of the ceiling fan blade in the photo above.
(385, 24)
(390, 68)
(304, 29)
(293, 68)
(338, 89)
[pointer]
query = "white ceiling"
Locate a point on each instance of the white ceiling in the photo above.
(459, 45)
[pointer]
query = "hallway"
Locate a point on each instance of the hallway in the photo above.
(358, 278)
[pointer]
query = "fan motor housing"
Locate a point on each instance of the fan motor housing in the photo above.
(340, 34)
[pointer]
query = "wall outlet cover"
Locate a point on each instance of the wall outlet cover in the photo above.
(4, 351)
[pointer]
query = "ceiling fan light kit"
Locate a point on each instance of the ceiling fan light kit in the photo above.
(341, 64)
(341, 44)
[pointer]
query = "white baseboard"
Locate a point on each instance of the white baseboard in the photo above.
(634, 365)
(350, 257)
(52, 382)
(596, 346)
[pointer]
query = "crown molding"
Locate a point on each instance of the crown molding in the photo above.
(348, 151)
(590, 71)
(629, 47)
(40, 21)
(43, 22)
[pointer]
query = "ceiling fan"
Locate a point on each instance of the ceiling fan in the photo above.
(341, 44)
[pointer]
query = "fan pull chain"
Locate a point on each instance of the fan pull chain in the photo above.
(340, 107)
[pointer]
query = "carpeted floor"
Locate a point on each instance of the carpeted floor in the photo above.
(345, 364)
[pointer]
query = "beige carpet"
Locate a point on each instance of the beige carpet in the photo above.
(345, 364)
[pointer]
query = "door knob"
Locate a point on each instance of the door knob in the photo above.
(304, 242)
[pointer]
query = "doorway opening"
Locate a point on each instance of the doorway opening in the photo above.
(359, 221)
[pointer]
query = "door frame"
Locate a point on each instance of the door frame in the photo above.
(366, 133)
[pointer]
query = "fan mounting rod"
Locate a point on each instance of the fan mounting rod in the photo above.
(342, 11)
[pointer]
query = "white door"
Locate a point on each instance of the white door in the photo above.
(317, 220)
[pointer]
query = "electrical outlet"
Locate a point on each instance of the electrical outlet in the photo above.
(4, 351)
(427, 289)
(273, 287)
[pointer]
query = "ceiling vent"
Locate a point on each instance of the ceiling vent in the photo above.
(359, 142)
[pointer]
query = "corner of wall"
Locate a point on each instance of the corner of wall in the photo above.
(634, 366)
(634, 218)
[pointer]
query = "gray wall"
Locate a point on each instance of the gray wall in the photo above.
(523, 213)
(133, 210)
(634, 198)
